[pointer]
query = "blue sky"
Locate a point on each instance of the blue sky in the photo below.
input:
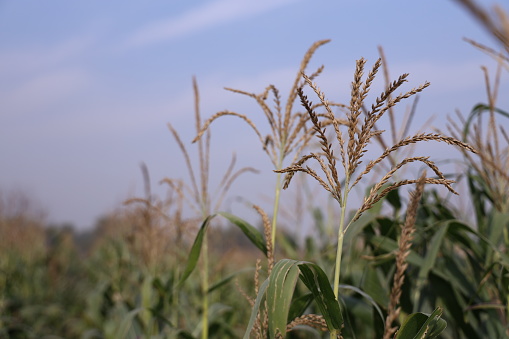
(87, 88)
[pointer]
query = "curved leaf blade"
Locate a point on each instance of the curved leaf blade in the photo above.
(317, 282)
(282, 281)
(194, 254)
(367, 297)
(250, 231)
(299, 305)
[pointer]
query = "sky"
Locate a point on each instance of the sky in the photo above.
(87, 88)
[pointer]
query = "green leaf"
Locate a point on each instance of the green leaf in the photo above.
(250, 231)
(215, 317)
(147, 296)
(430, 259)
(194, 255)
(411, 326)
(497, 223)
(375, 285)
(367, 297)
(432, 252)
(280, 288)
(477, 110)
(447, 291)
(299, 305)
(394, 199)
(472, 246)
(289, 246)
(389, 245)
(422, 326)
(181, 334)
(227, 279)
(282, 281)
(126, 324)
(433, 326)
(317, 282)
(462, 233)
(256, 308)
(478, 193)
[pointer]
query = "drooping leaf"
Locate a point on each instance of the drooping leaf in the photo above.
(280, 288)
(282, 281)
(477, 110)
(367, 297)
(250, 231)
(317, 282)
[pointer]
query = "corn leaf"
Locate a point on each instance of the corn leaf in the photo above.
(282, 281)
(367, 297)
(317, 282)
(194, 254)
(256, 308)
(126, 324)
(280, 288)
(299, 305)
(422, 326)
(227, 279)
(250, 231)
(430, 259)
(215, 317)
(389, 245)
(477, 110)
(375, 285)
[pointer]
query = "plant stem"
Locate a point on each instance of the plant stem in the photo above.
(175, 300)
(341, 234)
(276, 208)
(277, 197)
(339, 251)
(205, 288)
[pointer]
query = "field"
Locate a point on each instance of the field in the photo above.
(403, 261)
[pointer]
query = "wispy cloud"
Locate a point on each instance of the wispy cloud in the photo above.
(211, 14)
(42, 92)
(35, 58)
